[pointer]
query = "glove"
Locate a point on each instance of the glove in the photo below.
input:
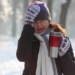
(31, 13)
(64, 46)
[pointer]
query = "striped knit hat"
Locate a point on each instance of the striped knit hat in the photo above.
(44, 11)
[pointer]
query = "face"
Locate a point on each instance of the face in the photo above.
(41, 25)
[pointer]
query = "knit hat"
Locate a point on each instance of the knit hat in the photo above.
(44, 11)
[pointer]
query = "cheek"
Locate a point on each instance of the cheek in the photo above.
(46, 25)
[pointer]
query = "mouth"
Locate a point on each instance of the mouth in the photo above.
(40, 29)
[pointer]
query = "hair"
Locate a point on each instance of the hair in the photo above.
(58, 28)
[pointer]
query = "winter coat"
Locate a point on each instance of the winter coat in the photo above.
(27, 51)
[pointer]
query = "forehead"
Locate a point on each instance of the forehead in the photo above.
(42, 21)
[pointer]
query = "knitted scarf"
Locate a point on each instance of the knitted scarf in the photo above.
(45, 65)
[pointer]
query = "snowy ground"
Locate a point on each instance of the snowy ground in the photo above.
(9, 65)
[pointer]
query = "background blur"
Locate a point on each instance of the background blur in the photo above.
(12, 16)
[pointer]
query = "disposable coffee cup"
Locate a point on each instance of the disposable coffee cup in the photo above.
(54, 42)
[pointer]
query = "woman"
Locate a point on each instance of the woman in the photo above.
(33, 47)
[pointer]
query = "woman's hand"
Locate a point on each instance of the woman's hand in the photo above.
(64, 46)
(31, 13)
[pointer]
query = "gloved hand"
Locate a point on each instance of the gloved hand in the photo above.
(64, 46)
(31, 13)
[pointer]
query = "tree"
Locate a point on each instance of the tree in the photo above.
(64, 9)
(2, 23)
(49, 3)
(25, 7)
(14, 2)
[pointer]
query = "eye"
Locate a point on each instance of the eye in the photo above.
(35, 22)
(42, 21)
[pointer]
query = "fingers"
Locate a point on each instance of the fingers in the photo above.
(65, 44)
(29, 17)
(31, 13)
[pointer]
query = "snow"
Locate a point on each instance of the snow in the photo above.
(9, 65)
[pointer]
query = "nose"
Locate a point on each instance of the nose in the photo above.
(39, 25)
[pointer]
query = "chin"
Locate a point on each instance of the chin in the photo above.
(40, 32)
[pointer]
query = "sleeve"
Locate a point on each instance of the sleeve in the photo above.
(24, 48)
(71, 53)
(67, 64)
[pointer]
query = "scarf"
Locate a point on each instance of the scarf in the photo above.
(45, 64)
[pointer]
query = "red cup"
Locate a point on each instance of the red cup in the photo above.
(54, 42)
